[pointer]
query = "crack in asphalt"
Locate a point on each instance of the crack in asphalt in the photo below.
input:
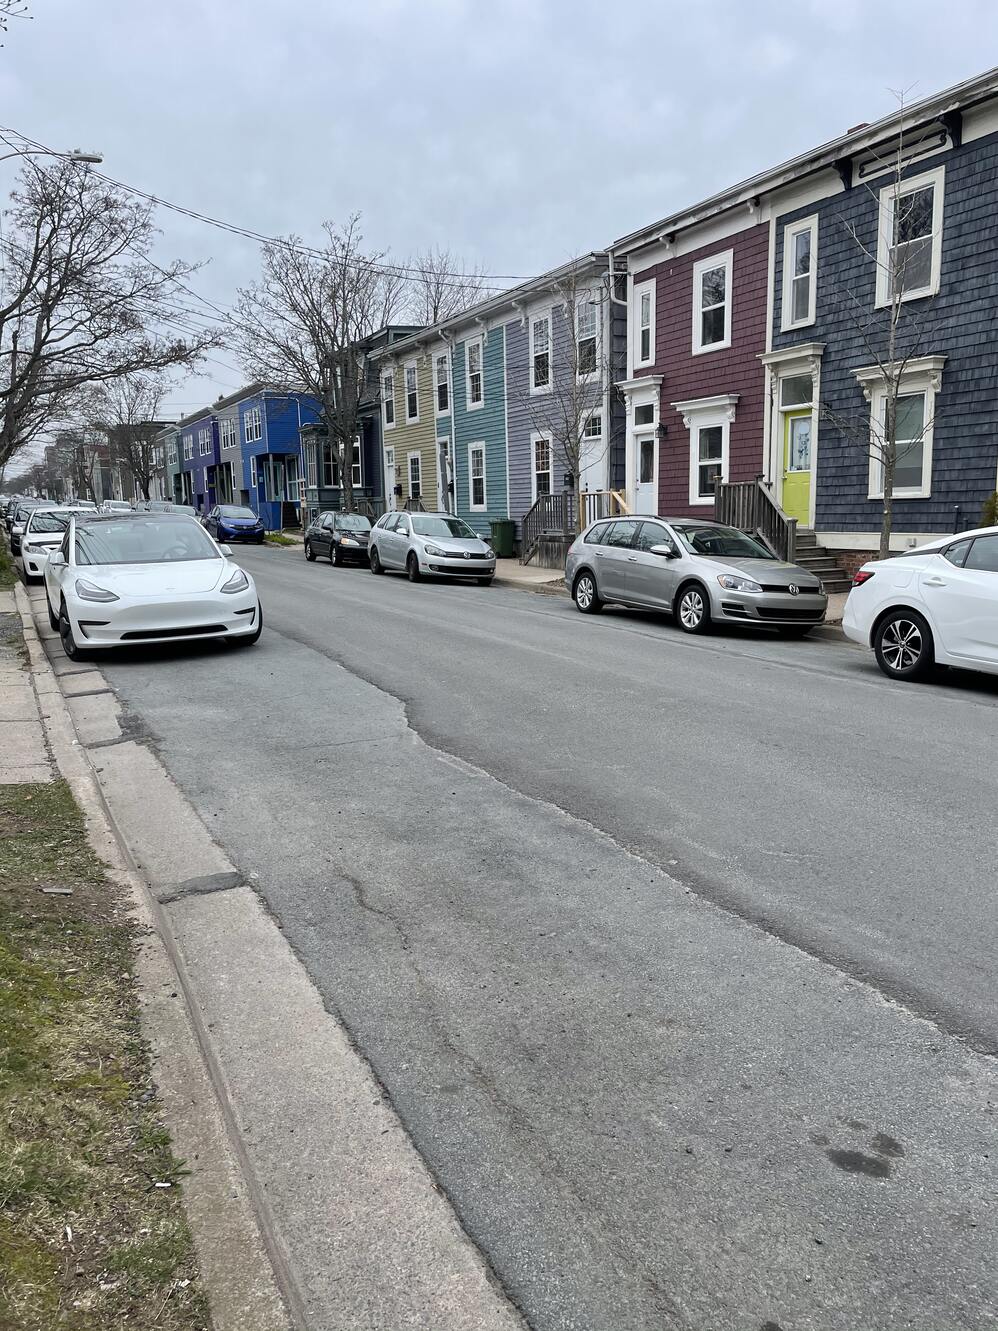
(918, 1004)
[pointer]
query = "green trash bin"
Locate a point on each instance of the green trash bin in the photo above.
(503, 537)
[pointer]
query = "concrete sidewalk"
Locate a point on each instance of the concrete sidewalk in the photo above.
(24, 754)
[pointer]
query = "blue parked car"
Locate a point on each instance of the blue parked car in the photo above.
(232, 522)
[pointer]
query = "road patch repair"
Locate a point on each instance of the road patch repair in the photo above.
(308, 1203)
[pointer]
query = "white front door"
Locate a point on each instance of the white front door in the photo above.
(445, 475)
(389, 475)
(645, 474)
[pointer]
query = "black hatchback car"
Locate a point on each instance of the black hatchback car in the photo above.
(233, 522)
(341, 536)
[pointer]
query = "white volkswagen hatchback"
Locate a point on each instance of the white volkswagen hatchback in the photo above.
(935, 605)
(126, 578)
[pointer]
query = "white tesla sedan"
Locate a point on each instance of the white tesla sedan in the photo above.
(937, 604)
(127, 578)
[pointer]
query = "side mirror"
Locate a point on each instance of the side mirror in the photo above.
(666, 551)
(226, 550)
(56, 557)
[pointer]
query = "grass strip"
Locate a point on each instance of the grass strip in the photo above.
(88, 1236)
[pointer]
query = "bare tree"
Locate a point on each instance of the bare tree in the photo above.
(893, 332)
(562, 393)
(82, 303)
(440, 286)
(305, 321)
(127, 412)
(12, 9)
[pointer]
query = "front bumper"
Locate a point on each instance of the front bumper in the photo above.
(459, 568)
(253, 534)
(776, 609)
(360, 554)
(193, 618)
(34, 561)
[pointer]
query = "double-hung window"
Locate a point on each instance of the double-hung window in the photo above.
(415, 475)
(188, 447)
(542, 465)
(172, 454)
(712, 303)
(586, 338)
(800, 252)
(442, 384)
(474, 387)
(912, 465)
(910, 241)
(476, 477)
(388, 399)
(253, 425)
(644, 324)
(540, 353)
(593, 428)
(411, 392)
(204, 440)
(356, 475)
(709, 461)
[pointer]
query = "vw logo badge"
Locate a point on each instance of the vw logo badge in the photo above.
(467, 554)
(793, 589)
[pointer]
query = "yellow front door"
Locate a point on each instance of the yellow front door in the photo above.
(797, 465)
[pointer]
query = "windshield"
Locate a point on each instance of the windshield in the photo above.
(40, 520)
(352, 522)
(234, 511)
(156, 538)
(428, 524)
(721, 543)
(158, 506)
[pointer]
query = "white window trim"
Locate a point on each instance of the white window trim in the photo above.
(541, 316)
(188, 442)
(921, 375)
(254, 478)
(437, 357)
(790, 232)
(357, 462)
(725, 260)
(414, 366)
(587, 300)
(699, 414)
(478, 446)
(640, 289)
(885, 229)
(535, 438)
(253, 425)
(417, 455)
(386, 423)
(473, 342)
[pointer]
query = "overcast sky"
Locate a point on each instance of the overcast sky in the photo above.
(516, 132)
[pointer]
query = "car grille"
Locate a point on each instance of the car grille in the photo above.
(790, 612)
(802, 588)
(137, 635)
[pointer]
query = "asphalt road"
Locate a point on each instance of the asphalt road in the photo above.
(675, 956)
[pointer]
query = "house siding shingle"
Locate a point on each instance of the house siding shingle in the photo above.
(486, 425)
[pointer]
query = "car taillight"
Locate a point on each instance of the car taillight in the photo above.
(864, 575)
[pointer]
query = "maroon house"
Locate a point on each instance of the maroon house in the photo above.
(695, 387)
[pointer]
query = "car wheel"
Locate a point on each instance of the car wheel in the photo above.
(584, 594)
(53, 617)
(693, 609)
(794, 630)
(253, 637)
(903, 645)
(376, 564)
(69, 646)
(309, 552)
(335, 558)
(485, 582)
(412, 568)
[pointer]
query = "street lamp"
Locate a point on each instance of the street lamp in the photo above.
(74, 154)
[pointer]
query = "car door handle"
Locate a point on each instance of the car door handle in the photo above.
(935, 582)
(632, 559)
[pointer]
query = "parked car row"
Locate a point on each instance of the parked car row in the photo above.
(419, 544)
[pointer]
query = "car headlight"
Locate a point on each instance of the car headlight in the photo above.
(732, 584)
(347, 540)
(237, 583)
(432, 550)
(89, 591)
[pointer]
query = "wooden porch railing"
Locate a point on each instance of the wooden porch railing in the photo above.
(551, 515)
(749, 506)
(369, 506)
(598, 504)
(414, 506)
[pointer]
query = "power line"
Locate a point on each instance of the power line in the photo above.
(297, 247)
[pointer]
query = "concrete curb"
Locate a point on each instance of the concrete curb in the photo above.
(348, 1223)
(242, 1286)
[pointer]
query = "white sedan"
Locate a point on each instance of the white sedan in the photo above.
(126, 578)
(44, 530)
(935, 605)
